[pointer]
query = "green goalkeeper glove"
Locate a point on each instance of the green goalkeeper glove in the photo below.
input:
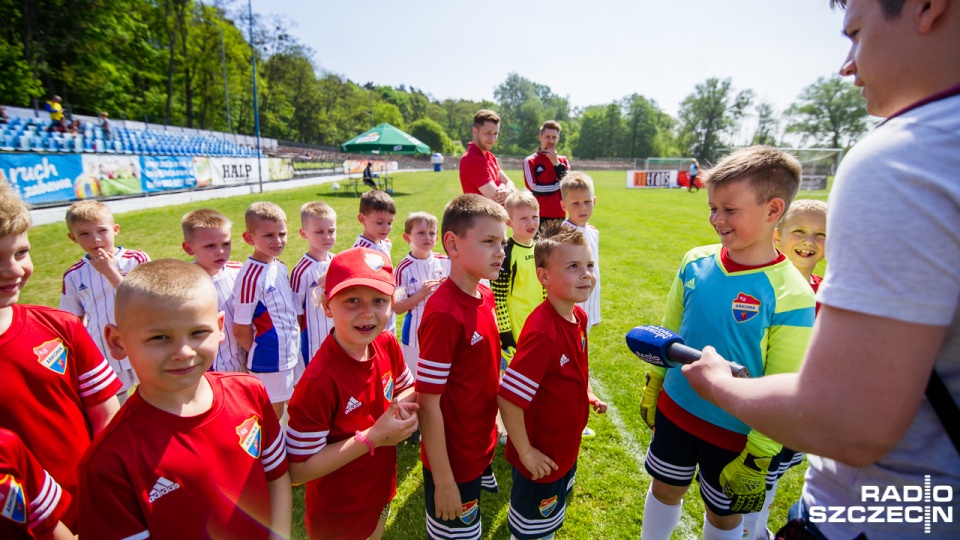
(651, 393)
(744, 480)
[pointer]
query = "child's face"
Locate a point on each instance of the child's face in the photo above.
(422, 238)
(170, 344)
(568, 274)
(210, 248)
(15, 267)
(738, 218)
(320, 233)
(578, 205)
(376, 225)
(94, 235)
(268, 238)
(480, 250)
(525, 222)
(802, 239)
(359, 315)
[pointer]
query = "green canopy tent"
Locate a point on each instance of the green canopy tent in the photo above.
(384, 140)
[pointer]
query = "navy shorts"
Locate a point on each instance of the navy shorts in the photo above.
(537, 510)
(788, 458)
(467, 526)
(674, 456)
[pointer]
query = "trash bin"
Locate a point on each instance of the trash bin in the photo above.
(437, 160)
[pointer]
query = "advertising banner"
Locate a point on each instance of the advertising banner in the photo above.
(279, 168)
(166, 173)
(109, 176)
(354, 166)
(233, 171)
(644, 179)
(41, 179)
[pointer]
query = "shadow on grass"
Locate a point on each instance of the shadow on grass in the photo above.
(343, 193)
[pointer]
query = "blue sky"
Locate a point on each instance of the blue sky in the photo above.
(589, 51)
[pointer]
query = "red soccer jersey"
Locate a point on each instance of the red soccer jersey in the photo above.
(31, 501)
(478, 168)
(185, 477)
(52, 372)
(547, 378)
(336, 397)
(460, 360)
(815, 282)
(541, 178)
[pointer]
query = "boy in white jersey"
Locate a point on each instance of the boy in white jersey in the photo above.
(206, 236)
(578, 200)
(377, 211)
(318, 226)
(89, 285)
(264, 316)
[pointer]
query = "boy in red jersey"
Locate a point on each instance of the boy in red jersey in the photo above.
(58, 388)
(354, 403)
(31, 501)
(192, 454)
(458, 370)
(545, 395)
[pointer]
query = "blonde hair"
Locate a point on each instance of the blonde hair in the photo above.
(417, 218)
(460, 213)
(88, 212)
(162, 280)
(485, 115)
(317, 210)
(553, 237)
(521, 199)
(771, 173)
(803, 206)
(550, 124)
(203, 218)
(575, 181)
(14, 214)
(377, 201)
(263, 211)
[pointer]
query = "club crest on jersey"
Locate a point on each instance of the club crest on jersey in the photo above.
(470, 512)
(388, 385)
(745, 307)
(12, 499)
(249, 432)
(52, 355)
(547, 506)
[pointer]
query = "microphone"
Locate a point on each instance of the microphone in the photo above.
(658, 346)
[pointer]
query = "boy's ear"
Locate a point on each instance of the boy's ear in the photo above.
(450, 243)
(775, 208)
(563, 206)
(325, 304)
(543, 276)
(248, 238)
(362, 219)
(220, 318)
(406, 238)
(116, 228)
(187, 248)
(72, 237)
(929, 13)
(114, 341)
(303, 233)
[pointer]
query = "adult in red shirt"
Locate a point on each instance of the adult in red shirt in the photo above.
(542, 172)
(479, 169)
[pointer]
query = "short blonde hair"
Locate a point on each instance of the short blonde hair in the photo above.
(417, 218)
(460, 213)
(553, 237)
(376, 200)
(88, 212)
(803, 206)
(14, 214)
(521, 199)
(575, 181)
(550, 124)
(772, 173)
(162, 280)
(316, 210)
(203, 218)
(263, 211)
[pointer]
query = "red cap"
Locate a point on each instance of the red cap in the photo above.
(359, 266)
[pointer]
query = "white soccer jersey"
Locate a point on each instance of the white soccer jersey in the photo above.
(592, 305)
(409, 276)
(304, 280)
(263, 299)
(230, 355)
(87, 292)
(383, 246)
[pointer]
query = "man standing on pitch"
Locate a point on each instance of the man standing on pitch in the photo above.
(479, 169)
(542, 172)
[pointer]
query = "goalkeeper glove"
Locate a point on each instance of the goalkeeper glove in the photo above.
(506, 355)
(744, 480)
(651, 393)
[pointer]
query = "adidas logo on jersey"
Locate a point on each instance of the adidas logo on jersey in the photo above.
(563, 360)
(313, 284)
(477, 338)
(351, 405)
(82, 287)
(271, 288)
(162, 487)
(690, 284)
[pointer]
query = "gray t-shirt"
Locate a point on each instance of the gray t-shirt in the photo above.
(894, 251)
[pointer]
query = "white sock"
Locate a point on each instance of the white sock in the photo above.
(750, 526)
(764, 515)
(712, 533)
(659, 519)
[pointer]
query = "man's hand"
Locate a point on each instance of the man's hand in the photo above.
(551, 154)
(650, 395)
(501, 194)
(704, 374)
(538, 464)
(446, 501)
(744, 479)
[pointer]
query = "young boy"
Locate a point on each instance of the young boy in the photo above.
(206, 236)
(746, 299)
(545, 395)
(458, 370)
(377, 211)
(318, 226)
(89, 285)
(264, 310)
(58, 388)
(353, 405)
(417, 277)
(32, 501)
(192, 454)
(516, 290)
(578, 200)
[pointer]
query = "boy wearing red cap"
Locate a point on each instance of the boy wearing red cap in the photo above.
(352, 406)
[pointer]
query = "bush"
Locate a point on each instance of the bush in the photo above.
(431, 134)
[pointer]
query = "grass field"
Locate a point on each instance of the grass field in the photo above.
(644, 234)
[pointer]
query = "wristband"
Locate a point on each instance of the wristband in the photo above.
(362, 438)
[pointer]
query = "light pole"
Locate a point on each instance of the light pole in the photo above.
(256, 109)
(223, 60)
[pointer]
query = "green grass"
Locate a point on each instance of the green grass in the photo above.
(644, 234)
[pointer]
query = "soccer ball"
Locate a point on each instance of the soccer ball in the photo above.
(335, 186)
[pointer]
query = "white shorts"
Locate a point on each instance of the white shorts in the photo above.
(411, 355)
(279, 384)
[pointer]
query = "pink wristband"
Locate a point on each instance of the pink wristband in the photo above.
(360, 437)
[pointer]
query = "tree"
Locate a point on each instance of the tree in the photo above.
(767, 125)
(431, 134)
(709, 113)
(830, 112)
